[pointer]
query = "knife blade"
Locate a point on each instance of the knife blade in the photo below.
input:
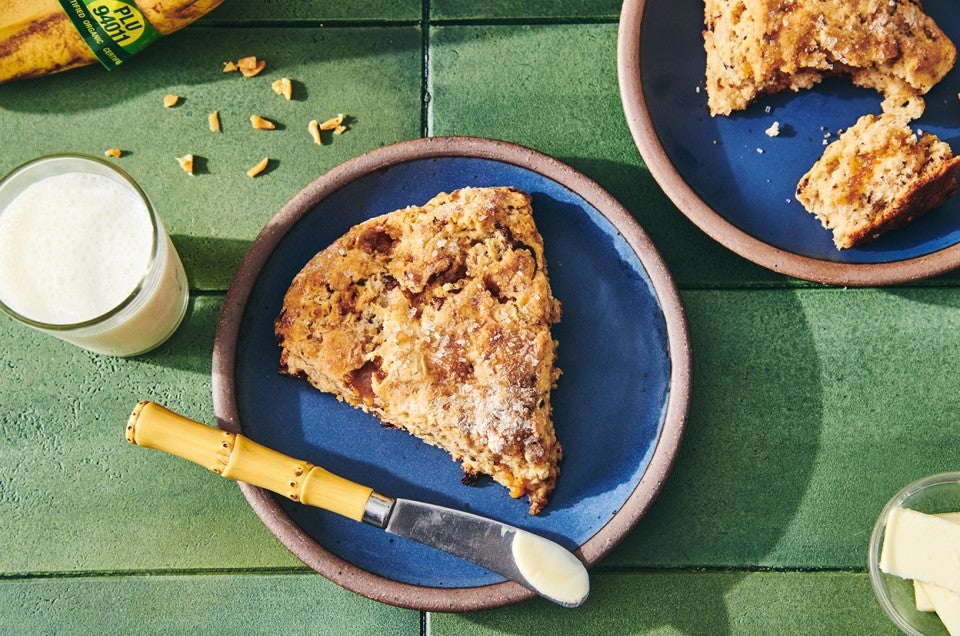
(541, 565)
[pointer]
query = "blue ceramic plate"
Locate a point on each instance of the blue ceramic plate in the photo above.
(738, 184)
(619, 407)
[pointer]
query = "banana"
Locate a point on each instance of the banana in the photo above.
(38, 38)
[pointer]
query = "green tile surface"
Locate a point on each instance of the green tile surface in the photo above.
(266, 11)
(69, 481)
(206, 603)
(636, 603)
(692, 603)
(811, 405)
(523, 9)
(805, 420)
(372, 75)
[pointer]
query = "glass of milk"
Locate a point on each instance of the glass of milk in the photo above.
(84, 257)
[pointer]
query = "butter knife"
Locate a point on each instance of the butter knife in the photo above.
(534, 562)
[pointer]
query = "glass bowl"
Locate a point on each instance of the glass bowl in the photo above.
(930, 495)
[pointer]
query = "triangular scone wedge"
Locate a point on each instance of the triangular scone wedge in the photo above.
(765, 46)
(877, 176)
(437, 320)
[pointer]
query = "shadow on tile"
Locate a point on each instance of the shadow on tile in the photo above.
(693, 603)
(510, 9)
(210, 262)
(194, 57)
(190, 348)
(625, 604)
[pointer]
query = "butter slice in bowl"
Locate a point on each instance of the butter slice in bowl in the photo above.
(921, 595)
(915, 557)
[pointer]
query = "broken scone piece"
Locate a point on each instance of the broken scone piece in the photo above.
(436, 319)
(766, 46)
(877, 176)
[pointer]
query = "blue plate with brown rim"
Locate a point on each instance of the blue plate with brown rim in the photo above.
(619, 408)
(738, 185)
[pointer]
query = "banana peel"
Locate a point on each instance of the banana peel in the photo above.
(37, 37)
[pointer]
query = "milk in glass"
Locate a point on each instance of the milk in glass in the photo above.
(84, 257)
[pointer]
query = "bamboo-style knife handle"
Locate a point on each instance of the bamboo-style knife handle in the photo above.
(237, 457)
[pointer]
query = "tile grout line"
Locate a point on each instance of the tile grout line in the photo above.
(426, 121)
(426, 86)
(159, 572)
(339, 23)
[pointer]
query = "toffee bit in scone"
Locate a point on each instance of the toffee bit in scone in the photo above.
(762, 46)
(436, 319)
(876, 176)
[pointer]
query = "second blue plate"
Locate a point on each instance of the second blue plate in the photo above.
(737, 184)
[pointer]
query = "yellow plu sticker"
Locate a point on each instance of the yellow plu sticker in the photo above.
(113, 29)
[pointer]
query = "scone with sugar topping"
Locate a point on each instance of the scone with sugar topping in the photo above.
(765, 46)
(436, 319)
(877, 176)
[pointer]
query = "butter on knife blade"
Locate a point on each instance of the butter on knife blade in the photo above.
(537, 563)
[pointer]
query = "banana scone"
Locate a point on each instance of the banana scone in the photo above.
(766, 46)
(436, 319)
(877, 176)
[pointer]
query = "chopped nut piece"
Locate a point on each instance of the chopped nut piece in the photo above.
(250, 66)
(284, 87)
(214, 120)
(331, 124)
(112, 152)
(260, 167)
(169, 101)
(314, 129)
(773, 130)
(186, 162)
(260, 123)
(339, 130)
(254, 71)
